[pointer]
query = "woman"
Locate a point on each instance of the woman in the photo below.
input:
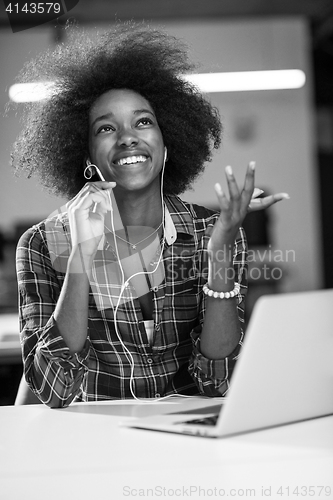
(130, 291)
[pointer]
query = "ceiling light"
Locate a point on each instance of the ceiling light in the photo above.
(30, 92)
(248, 80)
(206, 82)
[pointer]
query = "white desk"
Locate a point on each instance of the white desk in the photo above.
(81, 453)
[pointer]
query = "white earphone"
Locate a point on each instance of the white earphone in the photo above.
(88, 171)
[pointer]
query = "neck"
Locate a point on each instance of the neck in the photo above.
(140, 208)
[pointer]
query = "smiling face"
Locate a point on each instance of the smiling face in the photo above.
(125, 140)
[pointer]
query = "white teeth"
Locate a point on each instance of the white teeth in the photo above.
(132, 159)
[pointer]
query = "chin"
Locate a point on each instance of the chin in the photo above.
(143, 185)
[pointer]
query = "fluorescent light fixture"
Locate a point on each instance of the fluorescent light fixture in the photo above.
(248, 80)
(30, 92)
(206, 82)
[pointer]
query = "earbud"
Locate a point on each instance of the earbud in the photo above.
(88, 172)
(165, 154)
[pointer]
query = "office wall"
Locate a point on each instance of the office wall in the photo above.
(21, 199)
(275, 128)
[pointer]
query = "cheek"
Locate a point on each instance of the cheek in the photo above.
(92, 146)
(99, 149)
(159, 145)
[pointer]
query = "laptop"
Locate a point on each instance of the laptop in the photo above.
(284, 373)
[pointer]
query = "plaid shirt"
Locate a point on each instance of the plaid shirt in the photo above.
(171, 363)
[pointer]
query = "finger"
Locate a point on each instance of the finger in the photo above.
(103, 206)
(99, 187)
(104, 188)
(78, 195)
(103, 185)
(91, 186)
(92, 197)
(232, 184)
(223, 200)
(262, 203)
(107, 194)
(248, 188)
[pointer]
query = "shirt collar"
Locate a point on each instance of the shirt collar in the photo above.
(178, 219)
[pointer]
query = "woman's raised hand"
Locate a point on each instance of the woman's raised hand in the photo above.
(86, 213)
(235, 208)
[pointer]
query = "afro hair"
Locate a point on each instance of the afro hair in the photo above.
(53, 143)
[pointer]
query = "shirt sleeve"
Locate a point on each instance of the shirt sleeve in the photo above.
(212, 376)
(51, 371)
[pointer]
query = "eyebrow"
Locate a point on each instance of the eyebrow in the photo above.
(110, 115)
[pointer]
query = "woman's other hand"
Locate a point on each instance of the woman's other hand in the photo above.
(235, 208)
(86, 213)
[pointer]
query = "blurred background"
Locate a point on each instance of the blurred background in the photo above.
(288, 132)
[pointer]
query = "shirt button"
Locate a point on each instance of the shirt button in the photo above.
(155, 288)
(150, 361)
(157, 327)
(157, 395)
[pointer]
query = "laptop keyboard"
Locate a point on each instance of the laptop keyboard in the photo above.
(212, 420)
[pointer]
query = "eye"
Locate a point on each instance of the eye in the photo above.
(145, 121)
(105, 128)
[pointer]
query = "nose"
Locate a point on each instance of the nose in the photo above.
(127, 137)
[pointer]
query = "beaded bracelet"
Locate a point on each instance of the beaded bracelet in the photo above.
(221, 295)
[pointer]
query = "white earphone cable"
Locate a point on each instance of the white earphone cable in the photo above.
(124, 284)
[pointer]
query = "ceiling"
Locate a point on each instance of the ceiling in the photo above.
(318, 12)
(92, 11)
(96, 10)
